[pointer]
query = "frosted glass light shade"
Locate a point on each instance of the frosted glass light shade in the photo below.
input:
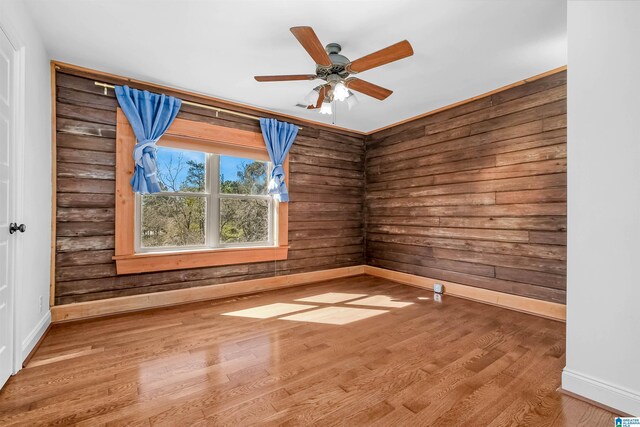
(325, 108)
(340, 92)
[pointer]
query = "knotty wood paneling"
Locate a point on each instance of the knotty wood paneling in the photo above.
(326, 228)
(475, 194)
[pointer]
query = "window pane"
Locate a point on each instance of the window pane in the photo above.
(172, 221)
(242, 176)
(181, 170)
(244, 220)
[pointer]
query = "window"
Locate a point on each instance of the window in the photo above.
(214, 208)
(208, 201)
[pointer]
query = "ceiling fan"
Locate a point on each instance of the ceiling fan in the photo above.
(336, 70)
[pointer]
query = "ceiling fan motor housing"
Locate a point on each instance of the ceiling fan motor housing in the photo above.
(339, 63)
(335, 69)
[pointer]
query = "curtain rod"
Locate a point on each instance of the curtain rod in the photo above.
(194, 104)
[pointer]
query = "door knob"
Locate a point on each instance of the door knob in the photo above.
(13, 227)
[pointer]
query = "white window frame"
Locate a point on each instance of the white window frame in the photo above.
(212, 196)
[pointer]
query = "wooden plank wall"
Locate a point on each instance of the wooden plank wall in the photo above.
(325, 216)
(475, 194)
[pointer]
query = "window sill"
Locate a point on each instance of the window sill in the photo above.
(164, 261)
(205, 135)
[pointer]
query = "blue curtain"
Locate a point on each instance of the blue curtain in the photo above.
(150, 115)
(278, 137)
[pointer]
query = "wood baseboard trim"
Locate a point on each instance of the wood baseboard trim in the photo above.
(540, 308)
(106, 307)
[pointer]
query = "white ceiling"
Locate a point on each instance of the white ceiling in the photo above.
(462, 48)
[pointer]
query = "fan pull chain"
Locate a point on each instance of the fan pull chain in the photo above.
(333, 116)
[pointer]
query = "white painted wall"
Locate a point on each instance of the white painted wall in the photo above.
(603, 303)
(32, 277)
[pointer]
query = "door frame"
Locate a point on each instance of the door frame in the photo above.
(17, 181)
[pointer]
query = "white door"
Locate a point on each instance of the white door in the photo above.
(7, 208)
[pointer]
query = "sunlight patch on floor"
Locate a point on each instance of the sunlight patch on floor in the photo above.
(380, 301)
(331, 297)
(271, 310)
(335, 315)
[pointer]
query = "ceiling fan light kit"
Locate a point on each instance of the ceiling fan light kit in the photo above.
(326, 107)
(336, 69)
(340, 92)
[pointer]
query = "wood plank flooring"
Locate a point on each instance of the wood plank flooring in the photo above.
(270, 359)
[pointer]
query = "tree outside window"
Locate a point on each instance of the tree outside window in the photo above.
(207, 200)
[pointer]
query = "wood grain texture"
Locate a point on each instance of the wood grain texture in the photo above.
(190, 135)
(381, 57)
(499, 94)
(550, 310)
(119, 305)
(314, 47)
(475, 194)
(453, 362)
(368, 88)
(326, 184)
(54, 149)
(92, 75)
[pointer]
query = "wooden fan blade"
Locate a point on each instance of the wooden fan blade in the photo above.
(323, 94)
(310, 42)
(285, 78)
(367, 88)
(384, 56)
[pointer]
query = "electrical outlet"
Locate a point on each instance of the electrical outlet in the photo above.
(40, 301)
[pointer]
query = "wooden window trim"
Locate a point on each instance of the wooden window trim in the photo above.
(192, 135)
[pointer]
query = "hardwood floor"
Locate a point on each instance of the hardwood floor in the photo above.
(270, 359)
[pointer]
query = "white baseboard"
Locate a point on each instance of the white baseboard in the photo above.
(34, 336)
(591, 388)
